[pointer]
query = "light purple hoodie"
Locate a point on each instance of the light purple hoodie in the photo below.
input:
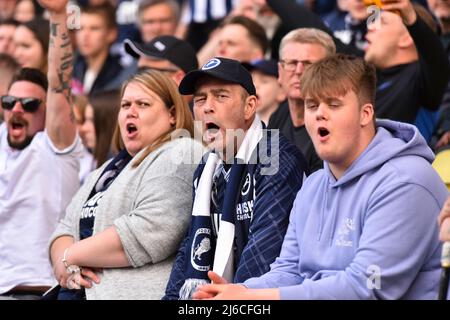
(373, 233)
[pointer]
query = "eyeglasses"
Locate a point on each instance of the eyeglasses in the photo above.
(28, 104)
(291, 65)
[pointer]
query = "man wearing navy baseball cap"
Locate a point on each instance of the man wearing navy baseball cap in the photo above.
(244, 187)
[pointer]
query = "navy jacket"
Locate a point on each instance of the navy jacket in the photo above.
(270, 198)
(110, 77)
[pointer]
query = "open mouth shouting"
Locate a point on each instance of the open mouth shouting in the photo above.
(17, 127)
(131, 130)
(323, 134)
(211, 131)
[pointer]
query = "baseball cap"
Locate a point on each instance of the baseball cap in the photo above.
(268, 67)
(221, 68)
(177, 51)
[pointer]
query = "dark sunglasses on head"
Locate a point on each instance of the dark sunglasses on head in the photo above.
(28, 104)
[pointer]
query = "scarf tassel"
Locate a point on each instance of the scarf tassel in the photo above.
(190, 286)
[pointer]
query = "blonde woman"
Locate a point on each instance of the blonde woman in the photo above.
(124, 225)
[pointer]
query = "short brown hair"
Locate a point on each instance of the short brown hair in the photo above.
(336, 75)
(167, 91)
(255, 31)
(106, 10)
(32, 75)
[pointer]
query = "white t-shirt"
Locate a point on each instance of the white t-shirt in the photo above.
(36, 185)
(88, 81)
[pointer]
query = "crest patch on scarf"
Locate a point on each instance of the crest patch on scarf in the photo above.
(201, 245)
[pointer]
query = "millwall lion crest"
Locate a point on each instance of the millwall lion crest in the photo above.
(201, 246)
(204, 246)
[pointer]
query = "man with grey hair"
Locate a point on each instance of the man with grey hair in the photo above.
(158, 18)
(243, 188)
(298, 49)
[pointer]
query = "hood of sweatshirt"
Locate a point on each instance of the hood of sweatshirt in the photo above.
(381, 212)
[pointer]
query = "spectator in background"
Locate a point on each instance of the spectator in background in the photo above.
(260, 12)
(8, 68)
(95, 68)
(441, 10)
(100, 119)
(296, 16)
(349, 27)
(269, 92)
(412, 65)
(27, 10)
(127, 28)
(39, 150)
(126, 15)
(238, 38)
(242, 39)
(202, 20)
(299, 49)
(157, 18)
(168, 54)
(86, 159)
(31, 40)
(7, 30)
(7, 9)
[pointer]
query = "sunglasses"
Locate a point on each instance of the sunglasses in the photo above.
(28, 104)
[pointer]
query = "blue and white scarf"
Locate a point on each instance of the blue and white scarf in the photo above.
(203, 250)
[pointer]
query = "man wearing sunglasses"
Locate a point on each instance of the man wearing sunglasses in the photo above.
(39, 151)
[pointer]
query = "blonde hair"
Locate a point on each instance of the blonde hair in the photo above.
(167, 91)
(311, 36)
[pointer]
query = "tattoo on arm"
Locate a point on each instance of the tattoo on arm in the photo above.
(53, 29)
(64, 64)
(72, 116)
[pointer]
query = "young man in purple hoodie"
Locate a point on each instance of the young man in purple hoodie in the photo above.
(364, 227)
